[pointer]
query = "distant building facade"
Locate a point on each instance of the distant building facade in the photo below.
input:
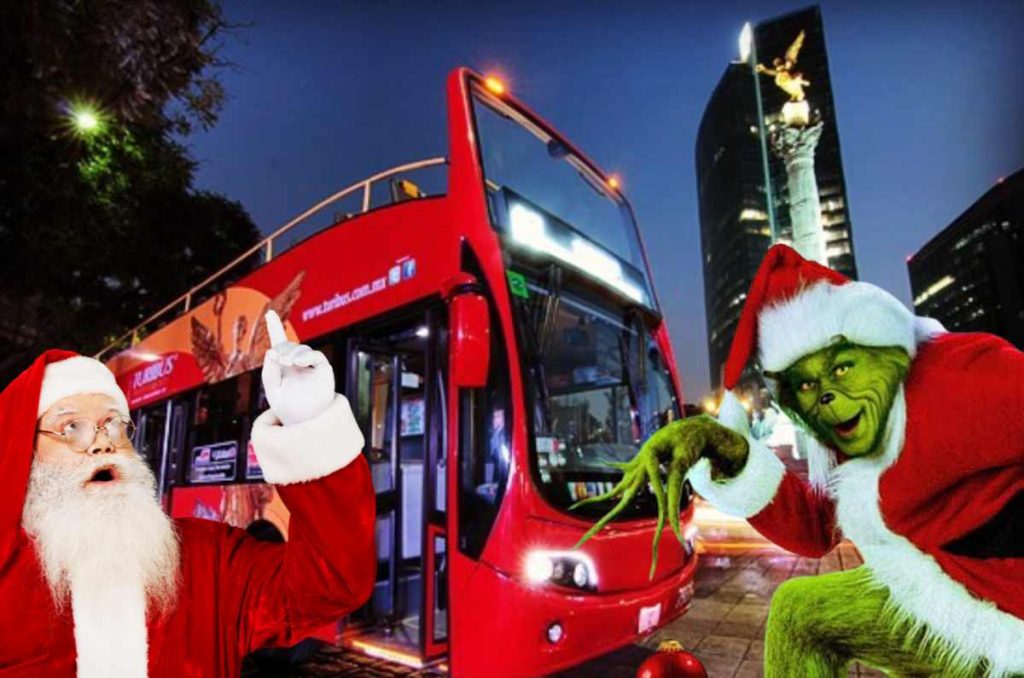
(970, 277)
(741, 185)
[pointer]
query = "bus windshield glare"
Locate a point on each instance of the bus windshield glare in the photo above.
(547, 201)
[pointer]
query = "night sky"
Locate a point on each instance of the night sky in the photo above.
(929, 101)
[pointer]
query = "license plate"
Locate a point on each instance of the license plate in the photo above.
(649, 618)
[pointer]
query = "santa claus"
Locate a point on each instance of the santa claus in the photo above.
(96, 581)
(917, 457)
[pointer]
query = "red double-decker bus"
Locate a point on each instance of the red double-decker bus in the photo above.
(498, 336)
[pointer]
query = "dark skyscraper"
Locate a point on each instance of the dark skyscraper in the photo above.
(741, 183)
(970, 277)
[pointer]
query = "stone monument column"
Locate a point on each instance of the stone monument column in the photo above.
(795, 145)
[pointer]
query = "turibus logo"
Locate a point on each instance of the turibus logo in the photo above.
(157, 370)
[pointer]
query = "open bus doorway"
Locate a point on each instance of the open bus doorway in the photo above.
(395, 390)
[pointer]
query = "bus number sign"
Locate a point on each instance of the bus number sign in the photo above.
(517, 285)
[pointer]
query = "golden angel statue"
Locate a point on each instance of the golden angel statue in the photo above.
(789, 82)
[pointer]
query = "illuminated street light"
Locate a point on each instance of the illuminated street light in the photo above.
(85, 119)
(613, 182)
(746, 40)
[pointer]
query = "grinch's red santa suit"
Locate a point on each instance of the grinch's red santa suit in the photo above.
(936, 513)
(98, 582)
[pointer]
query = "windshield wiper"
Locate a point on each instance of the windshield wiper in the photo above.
(635, 372)
(539, 323)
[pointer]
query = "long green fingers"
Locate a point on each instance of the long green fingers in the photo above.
(627, 497)
(628, 477)
(654, 479)
(672, 449)
(676, 478)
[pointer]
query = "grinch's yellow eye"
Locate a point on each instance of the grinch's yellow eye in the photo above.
(806, 386)
(841, 370)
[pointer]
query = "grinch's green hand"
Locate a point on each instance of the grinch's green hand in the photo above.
(674, 448)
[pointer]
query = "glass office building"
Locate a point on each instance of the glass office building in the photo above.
(970, 277)
(741, 184)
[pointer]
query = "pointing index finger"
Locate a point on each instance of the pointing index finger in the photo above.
(275, 329)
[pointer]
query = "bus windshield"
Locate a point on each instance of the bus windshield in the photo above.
(547, 201)
(597, 388)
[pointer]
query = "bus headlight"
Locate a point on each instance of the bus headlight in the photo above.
(571, 569)
(580, 576)
(539, 567)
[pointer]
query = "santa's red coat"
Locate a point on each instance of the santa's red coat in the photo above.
(236, 594)
(936, 516)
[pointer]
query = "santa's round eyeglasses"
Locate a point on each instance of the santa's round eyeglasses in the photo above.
(80, 434)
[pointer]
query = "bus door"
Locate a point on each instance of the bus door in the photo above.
(152, 435)
(395, 393)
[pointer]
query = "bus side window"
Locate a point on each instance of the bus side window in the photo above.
(484, 450)
(221, 416)
(149, 438)
(176, 462)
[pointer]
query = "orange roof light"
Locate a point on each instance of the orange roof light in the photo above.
(613, 182)
(495, 85)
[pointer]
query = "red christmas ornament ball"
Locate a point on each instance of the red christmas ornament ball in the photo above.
(671, 661)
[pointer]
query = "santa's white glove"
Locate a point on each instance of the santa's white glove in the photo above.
(298, 381)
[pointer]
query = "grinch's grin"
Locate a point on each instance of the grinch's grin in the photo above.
(846, 429)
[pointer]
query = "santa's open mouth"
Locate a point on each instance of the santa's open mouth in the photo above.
(845, 429)
(107, 474)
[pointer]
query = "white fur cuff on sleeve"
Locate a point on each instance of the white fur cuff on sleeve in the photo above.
(750, 491)
(310, 450)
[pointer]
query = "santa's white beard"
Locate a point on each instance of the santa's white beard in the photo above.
(110, 550)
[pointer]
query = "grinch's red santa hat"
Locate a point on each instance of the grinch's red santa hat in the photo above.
(796, 307)
(78, 375)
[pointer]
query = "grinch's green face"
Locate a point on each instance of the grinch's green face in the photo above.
(844, 392)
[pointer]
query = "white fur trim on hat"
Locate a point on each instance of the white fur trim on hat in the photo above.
(310, 450)
(74, 376)
(754, 487)
(863, 313)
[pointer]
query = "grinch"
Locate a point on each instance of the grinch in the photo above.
(917, 457)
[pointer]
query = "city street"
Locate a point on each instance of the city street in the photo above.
(738, 572)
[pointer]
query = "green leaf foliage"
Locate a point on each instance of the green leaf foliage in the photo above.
(98, 230)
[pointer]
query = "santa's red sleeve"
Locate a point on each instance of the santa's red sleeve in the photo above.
(778, 503)
(281, 593)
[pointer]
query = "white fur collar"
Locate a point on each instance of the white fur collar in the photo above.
(921, 592)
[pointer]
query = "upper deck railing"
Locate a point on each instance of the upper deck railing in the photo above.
(183, 304)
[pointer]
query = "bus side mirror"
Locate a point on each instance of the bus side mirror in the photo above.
(469, 340)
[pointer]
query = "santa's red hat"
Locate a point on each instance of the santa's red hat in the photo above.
(796, 307)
